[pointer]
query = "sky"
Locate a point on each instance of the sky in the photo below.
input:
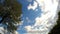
(28, 15)
(38, 16)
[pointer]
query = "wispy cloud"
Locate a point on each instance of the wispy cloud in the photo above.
(29, 0)
(28, 20)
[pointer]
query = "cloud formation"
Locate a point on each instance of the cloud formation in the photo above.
(34, 6)
(48, 18)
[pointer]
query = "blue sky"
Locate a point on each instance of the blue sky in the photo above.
(28, 14)
(38, 15)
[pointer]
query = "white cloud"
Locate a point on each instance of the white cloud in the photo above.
(49, 10)
(59, 5)
(48, 17)
(28, 28)
(47, 5)
(34, 6)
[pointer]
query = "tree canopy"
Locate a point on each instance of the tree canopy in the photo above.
(10, 11)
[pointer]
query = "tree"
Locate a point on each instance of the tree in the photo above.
(56, 28)
(10, 12)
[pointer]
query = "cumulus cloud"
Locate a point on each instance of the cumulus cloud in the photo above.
(34, 6)
(48, 17)
(47, 5)
(49, 10)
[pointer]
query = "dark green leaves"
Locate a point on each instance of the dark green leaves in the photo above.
(10, 11)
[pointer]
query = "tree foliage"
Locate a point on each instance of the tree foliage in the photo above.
(10, 11)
